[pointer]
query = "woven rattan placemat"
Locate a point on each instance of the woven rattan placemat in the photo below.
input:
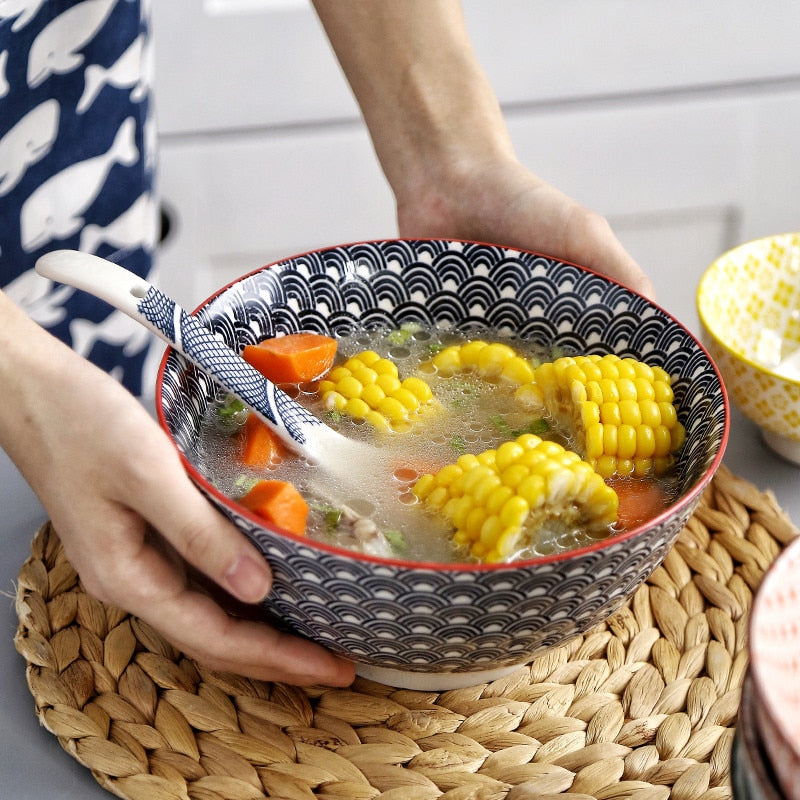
(643, 706)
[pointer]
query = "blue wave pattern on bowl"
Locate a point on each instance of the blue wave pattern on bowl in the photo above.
(445, 617)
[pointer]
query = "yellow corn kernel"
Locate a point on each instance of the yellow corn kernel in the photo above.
(532, 489)
(594, 392)
(350, 387)
(651, 413)
(625, 466)
(369, 357)
(457, 509)
(356, 408)
(630, 412)
(467, 461)
(606, 465)
(626, 388)
(372, 395)
(334, 400)
(507, 453)
(663, 441)
(609, 370)
(507, 543)
(474, 522)
(514, 511)
(644, 389)
(424, 485)
(645, 442)
(530, 396)
(377, 420)
(385, 367)
(447, 474)
(393, 409)
(662, 392)
(389, 383)
(484, 491)
(492, 358)
(626, 441)
(337, 373)
(660, 375)
(490, 531)
(677, 437)
(513, 475)
(669, 416)
(406, 398)
(588, 414)
(608, 386)
(470, 352)
(594, 441)
(497, 498)
(517, 370)
(418, 387)
(325, 386)
(626, 369)
(610, 414)
(610, 440)
(437, 497)
(448, 361)
(364, 375)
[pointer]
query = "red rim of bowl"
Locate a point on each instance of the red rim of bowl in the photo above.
(685, 500)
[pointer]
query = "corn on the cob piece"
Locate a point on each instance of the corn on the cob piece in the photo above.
(620, 411)
(490, 360)
(499, 500)
(368, 387)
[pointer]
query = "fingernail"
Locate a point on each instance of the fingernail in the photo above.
(248, 580)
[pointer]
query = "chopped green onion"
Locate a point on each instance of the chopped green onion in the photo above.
(396, 540)
(331, 514)
(501, 425)
(401, 335)
(459, 444)
(244, 483)
(536, 426)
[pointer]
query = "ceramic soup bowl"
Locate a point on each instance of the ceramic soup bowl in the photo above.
(446, 625)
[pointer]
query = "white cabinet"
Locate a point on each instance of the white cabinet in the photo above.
(679, 121)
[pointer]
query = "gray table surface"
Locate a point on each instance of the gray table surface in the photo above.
(32, 764)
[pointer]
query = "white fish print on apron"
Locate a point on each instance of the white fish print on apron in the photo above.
(54, 209)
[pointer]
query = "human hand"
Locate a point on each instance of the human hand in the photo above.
(498, 200)
(131, 520)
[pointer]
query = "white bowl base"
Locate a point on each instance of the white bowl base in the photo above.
(431, 681)
(787, 448)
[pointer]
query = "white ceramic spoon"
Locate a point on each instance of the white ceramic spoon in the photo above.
(352, 463)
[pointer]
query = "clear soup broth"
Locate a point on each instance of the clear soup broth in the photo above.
(470, 413)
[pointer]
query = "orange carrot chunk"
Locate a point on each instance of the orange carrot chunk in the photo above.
(279, 503)
(639, 501)
(262, 447)
(294, 358)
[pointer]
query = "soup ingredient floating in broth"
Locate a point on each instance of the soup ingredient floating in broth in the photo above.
(294, 358)
(368, 387)
(502, 501)
(489, 360)
(620, 411)
(279, 503)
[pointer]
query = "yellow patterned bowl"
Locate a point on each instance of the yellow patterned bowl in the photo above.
(749, 306)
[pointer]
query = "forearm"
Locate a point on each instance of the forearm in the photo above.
(24, 377)
(424, 97)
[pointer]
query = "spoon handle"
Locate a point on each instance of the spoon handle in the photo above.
(138, 299)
